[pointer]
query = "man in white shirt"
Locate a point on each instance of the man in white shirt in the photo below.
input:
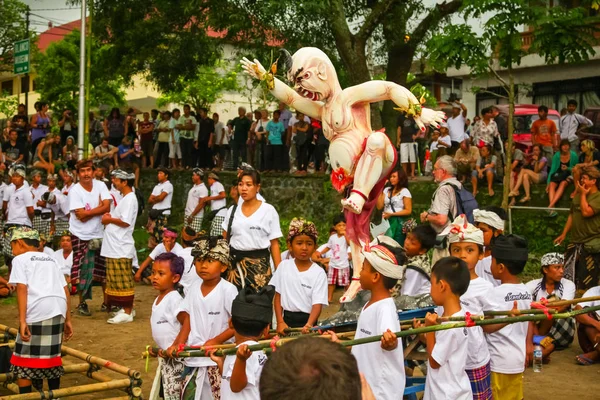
(571, 124)
(118, 248)
(88, 201)
(194, 207)
(217, 193)
(42, 214)
(58, 204)
(160, 199)
(221, 145)
(17, 207)
(456, 126)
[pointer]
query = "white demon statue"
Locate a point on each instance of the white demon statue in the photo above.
(361, 159)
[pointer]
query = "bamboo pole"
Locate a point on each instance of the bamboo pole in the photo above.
(101, 362)
(69, 369)
(560, 303)
(78, 390)
(480, 322)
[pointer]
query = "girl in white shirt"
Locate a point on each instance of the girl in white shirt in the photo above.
(166, 320)
(396, 202)
(253, 231)
(300, 284)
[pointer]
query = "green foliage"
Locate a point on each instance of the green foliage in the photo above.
(58, 75)
(12, 29)
(206, 88)
(8, 105)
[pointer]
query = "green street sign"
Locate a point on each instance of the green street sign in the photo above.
(21, 52)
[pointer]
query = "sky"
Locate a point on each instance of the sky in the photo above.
(56, 11)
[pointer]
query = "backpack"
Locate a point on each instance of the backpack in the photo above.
(465, 203)
(141, 201)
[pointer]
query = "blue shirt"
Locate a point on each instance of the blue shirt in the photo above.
(122, 150)
(276, 130)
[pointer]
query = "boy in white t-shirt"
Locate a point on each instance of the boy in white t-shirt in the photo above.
(301, 285)
(208, 309)
(509, 345)
(251, 315)
(338, 271)
(166, 320)
(491, 221)
(189, 278)
(447, 349)
(64, 256)
(42, 297)
(418, 267)
(169, 244)
(466, 243)
(382, 364)
(588, 329)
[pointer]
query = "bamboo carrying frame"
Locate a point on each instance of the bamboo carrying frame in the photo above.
(130, 382)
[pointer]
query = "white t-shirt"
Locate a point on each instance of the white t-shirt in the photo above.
(566, 292)
(166, 187)
(507, 346)
(45, 285)
(164, 322)
(449, 381)
(216, 188)
(209, 317)
(258, 197)
(456, 126)
(158, 250)
(118, 242)
(37, 196)
(592, 292)
(415, 283)
(65, 264)
(483, 269)
(433, 146)
(323, 247)
(475, 301)
(383, 370)
(18, 201)
(254, 366)
(286, 255)
(81, 198)
(194, 195)
(190, 277)
(339, 252)
(220, 133)
(397, 200)
(61, 207)
(116, 195)
(254, 232)
(67, 188)
(444, 139)
(300, 291)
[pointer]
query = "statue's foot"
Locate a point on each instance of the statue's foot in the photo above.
(354, 203)
(352, 291)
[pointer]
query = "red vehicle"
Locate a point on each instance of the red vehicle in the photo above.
(525, 115)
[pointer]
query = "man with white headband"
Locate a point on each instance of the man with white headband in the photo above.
(381, 271)
(42, 214)
(17, 207)
(491, 221)
(118, 248)
(194, 207)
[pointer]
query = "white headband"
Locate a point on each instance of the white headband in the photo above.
(489, 218)
(462, 231)
(382, 259)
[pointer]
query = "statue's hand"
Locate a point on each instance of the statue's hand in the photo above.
(253, 68)
(430, 117)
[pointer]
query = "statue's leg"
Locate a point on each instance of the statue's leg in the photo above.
(357, 263)
(374, 164)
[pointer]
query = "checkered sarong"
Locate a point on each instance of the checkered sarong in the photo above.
(341, 276)
(196, 224)
(481, 384)
(41, 225)
(88, 266)
(563, 332)
(119, 282)
(60, 226)
(39, 358)
(216, 228)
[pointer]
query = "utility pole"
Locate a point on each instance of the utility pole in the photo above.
(82, 62)
(27, 74)
(87, 79)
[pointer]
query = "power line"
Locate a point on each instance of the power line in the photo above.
(55, 9)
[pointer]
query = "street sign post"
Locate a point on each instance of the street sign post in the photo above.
(21, 55)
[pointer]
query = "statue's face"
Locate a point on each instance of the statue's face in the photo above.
(312, 74)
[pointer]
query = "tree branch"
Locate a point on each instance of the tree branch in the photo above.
(439, 12)
(498, 77)
(373, 19)
(492, 93)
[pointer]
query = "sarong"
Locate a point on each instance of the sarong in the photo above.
(88, 266)
(42, 225)
(249, 268)
(119, 282)
(480, 379)
(216, 226)
(196, 223)
(172, 378)
(60, 226)
(582, 267)
(40, 357)
(202, 382)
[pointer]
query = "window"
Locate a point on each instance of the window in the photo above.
(7, 87)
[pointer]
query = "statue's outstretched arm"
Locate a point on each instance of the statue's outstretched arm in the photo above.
(282, 91)
(374, 91)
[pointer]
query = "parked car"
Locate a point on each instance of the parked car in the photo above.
(525, 115)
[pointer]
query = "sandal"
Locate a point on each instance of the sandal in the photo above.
(584, 360)
(524, 199)
(513, 194)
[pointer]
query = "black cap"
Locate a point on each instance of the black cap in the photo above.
(250, 305)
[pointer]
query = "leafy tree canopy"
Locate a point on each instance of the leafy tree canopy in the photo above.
(12, 29)
(58, 75)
